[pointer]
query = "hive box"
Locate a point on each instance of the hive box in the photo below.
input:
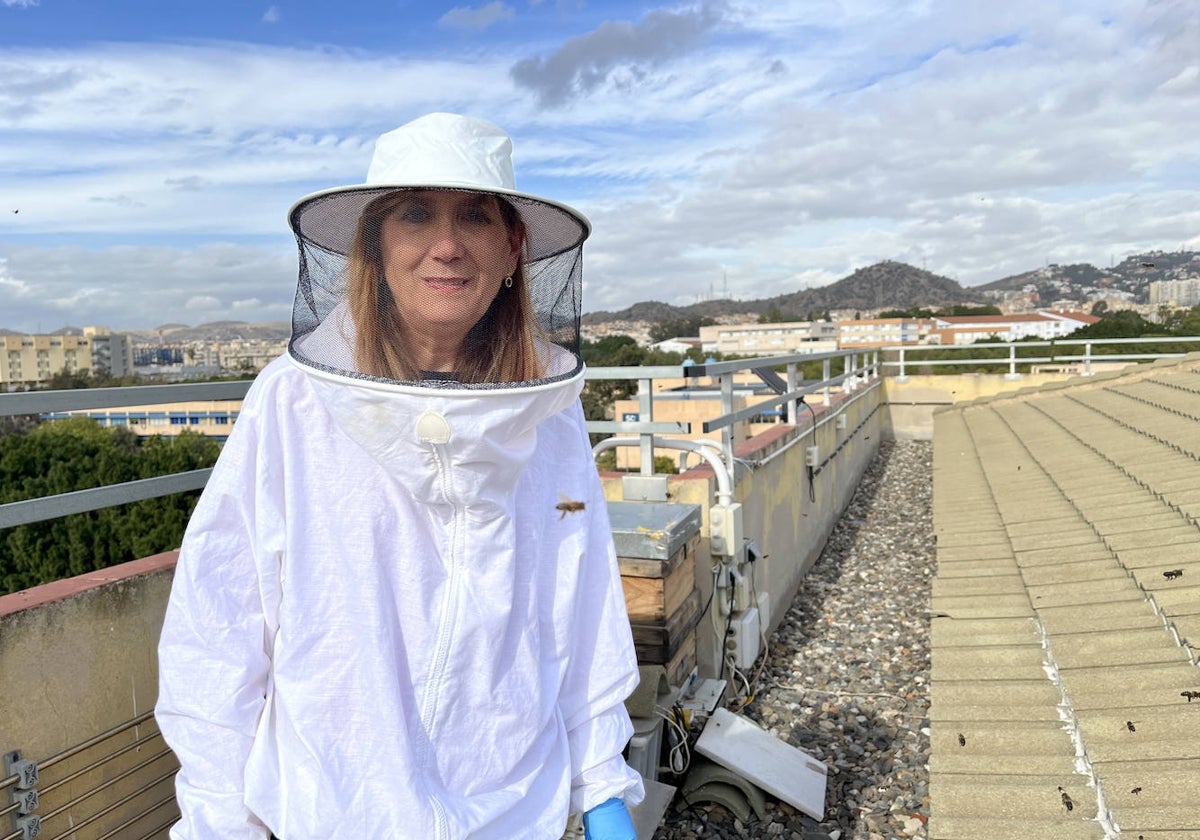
(656, 546)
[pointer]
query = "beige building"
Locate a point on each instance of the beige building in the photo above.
(207, 417)
(882, 332)
(31, 360)
(694, 407)
(770, 339)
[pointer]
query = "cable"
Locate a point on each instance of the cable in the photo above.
(679, 757)
(728, 626)
(812, 471)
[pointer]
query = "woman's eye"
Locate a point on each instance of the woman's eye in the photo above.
(476, 216)
(415, 214)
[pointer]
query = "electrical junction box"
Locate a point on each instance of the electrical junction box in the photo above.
(811, 456)
(743, 638)
(725, 529)
(741, 576)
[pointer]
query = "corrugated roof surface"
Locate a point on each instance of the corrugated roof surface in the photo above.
(1066, 611)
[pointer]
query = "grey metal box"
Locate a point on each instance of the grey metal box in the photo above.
(652, 530)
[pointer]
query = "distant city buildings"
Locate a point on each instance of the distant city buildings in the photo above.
(31, 361)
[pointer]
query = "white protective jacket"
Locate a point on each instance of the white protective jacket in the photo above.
(383, 626)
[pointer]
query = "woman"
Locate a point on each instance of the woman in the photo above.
(385, 621)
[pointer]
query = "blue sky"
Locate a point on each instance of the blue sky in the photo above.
(755, 147)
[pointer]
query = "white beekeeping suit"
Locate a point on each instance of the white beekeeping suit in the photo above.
(386, 622)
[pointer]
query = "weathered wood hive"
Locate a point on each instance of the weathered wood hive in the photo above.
(656, 550)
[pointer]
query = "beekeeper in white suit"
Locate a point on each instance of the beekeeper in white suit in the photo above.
(397, 611)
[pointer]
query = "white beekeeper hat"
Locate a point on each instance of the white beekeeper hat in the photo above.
(439, 151)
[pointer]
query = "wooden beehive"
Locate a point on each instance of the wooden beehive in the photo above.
(656, 550)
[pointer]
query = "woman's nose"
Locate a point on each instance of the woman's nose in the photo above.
(447, 242)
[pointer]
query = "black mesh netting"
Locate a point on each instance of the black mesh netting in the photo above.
(389, 279)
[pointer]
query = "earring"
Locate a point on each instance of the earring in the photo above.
(508, 282)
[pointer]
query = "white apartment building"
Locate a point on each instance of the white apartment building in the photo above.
(1175, 292)
(1045, 324)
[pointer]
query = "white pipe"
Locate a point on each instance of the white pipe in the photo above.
(701, 447)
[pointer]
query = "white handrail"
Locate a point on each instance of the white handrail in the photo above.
(701, 447)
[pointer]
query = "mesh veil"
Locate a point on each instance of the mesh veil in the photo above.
(382, 268)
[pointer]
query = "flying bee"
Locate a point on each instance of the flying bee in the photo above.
(1066, 799)
(1171, 574)
(1129, 725)
(1136, 791)
(567, 506)
(1190, 695)
(962, 742)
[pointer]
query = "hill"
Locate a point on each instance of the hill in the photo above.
(884, 285)
(214, 331)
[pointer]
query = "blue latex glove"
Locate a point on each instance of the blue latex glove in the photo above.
(609, 820)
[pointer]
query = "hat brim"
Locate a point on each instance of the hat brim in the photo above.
(328, 218)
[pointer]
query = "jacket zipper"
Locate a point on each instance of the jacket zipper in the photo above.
(445, 628)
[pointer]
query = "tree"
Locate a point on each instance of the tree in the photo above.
(676, 327)
(911, 312)
(774, 315)
(76, 454)
(960, 310)
(1123, 323)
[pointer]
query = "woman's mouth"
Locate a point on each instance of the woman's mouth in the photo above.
(447, 282)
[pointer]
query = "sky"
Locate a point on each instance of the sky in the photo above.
(149, 151)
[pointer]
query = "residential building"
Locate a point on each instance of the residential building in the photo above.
(1045, 324)
(31, 360)
(207, 417)
(882, 332)
(1176, 292)
(770, 339)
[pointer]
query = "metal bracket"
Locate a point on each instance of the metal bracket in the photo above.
(30, 826)
(24, 794)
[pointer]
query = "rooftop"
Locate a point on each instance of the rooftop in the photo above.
(1066, 610)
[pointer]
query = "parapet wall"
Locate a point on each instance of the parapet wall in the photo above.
(78, 681)
(788, 511)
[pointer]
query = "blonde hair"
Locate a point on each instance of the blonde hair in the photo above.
(501, 347)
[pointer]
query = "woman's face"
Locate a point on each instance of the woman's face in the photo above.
(444, 256)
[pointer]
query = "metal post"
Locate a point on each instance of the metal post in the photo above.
(1012, 362)
(791, 386)
(1087, 359)
(646, 414)
(903, 377)
(726, 380)
(825, 375)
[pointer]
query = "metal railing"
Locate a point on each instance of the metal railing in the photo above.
(82, 501)
(1012, 359)
(857, 367)
(90, 786)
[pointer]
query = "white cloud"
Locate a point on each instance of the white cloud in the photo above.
(475, 19)
(767, 147)
(272, 15)
(20, 4)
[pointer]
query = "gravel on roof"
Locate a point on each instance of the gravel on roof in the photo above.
(847, 673)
